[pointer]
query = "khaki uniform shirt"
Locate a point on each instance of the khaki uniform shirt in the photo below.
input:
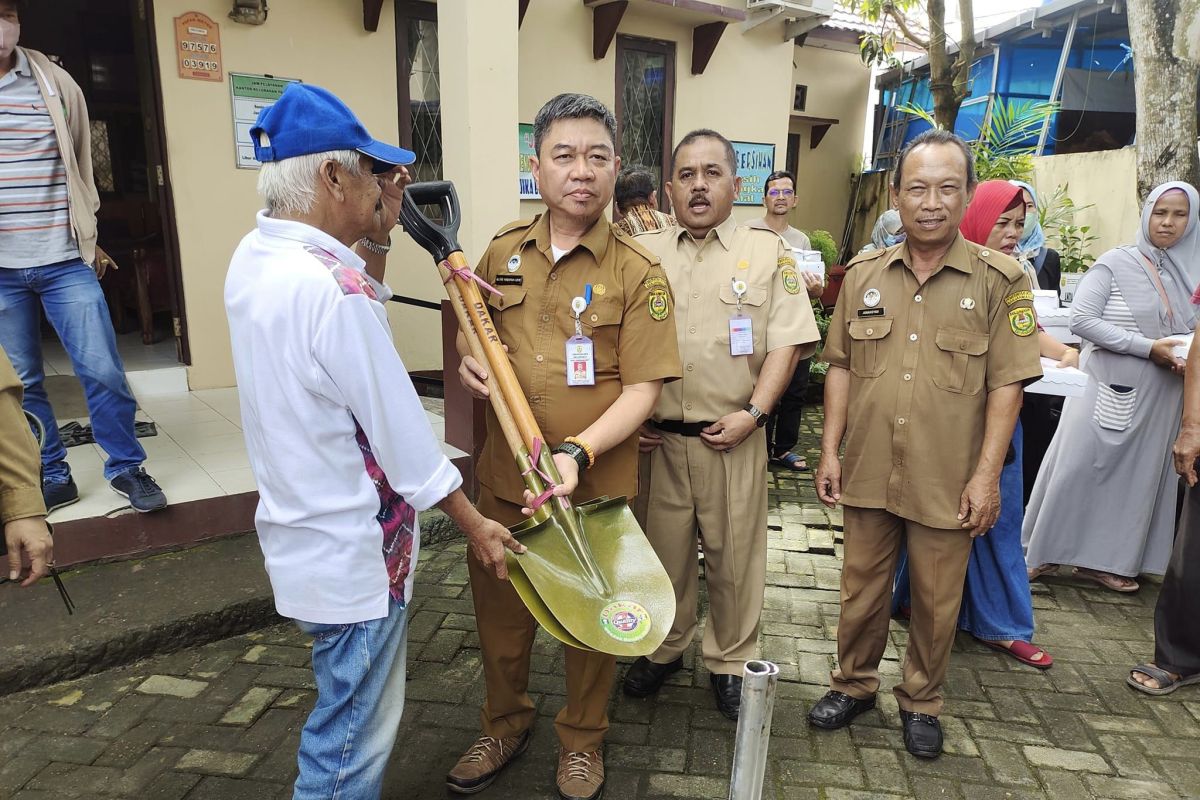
(20, 461)
(714, 382)
(922, 360)
(629, 322)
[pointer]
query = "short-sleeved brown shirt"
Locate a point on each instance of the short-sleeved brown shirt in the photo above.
(630, 322)
(702, 274)
(922, 360)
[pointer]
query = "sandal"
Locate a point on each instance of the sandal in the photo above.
(1044, 569)
(1023, 652)
(1166, 682)
(791, 461)
(1109, 581)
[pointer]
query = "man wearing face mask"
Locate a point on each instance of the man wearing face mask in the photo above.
(49, 261)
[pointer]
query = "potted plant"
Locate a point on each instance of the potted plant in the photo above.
(1074, 241)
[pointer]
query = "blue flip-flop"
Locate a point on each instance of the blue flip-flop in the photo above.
(791, 461)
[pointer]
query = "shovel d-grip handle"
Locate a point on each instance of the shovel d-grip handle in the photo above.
(439, 239)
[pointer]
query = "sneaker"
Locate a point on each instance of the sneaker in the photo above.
(483, 761)
(57, 495)
(141, 490)
(580, 775)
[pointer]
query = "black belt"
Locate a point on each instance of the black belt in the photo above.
(682, 428)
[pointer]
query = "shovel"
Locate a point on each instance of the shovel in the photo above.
(589, 576)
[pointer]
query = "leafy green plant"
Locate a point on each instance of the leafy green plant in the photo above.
(1002, 151)
(1074, 242)
(819, 368)
(823, 241)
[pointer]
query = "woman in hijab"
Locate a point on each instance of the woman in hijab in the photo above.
(1032, 249)
(997, 608)
(1041, 412)
(1105, 499)
(887, 232)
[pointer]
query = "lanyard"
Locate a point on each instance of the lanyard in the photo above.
(579, 305)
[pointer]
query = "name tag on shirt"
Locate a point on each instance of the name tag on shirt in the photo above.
(510, 280)
(871, 312)
(741, 336)
(581, 365)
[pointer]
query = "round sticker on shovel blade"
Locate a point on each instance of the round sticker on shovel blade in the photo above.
(625, 621)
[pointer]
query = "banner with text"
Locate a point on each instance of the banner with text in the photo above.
(755, 161)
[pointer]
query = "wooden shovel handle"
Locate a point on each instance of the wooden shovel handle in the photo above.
(509, 403)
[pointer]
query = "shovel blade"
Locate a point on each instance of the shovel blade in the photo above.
(631, 616)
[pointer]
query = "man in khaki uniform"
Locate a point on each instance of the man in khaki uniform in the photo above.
(743, 320)
(928, 350)
(22, 510)
(541, 266)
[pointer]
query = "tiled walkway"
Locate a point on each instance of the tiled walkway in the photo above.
(222, 721)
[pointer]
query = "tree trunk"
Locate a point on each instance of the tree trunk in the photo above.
(941, 80)
(947, 79)
(1166, 60)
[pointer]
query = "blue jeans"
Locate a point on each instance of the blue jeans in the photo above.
(348, 737)
(997, 605)
(74, 303)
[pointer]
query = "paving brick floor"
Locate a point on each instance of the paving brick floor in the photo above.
(222, 721)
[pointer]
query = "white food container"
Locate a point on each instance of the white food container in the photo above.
(1062, 381)
(1181, 350)
(809, 261)
(1057, 323)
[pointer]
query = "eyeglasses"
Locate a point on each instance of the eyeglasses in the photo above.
(780, 193)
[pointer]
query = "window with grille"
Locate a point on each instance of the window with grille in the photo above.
(419, 87)
(646, 105)
(102, 162)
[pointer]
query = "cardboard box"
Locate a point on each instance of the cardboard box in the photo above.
(1062, 381)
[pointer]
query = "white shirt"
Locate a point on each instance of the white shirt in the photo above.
(315, 362)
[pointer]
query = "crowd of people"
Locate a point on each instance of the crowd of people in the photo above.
(701, 332)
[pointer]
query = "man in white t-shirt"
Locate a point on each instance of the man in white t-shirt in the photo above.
(783, 429)
(338, 441)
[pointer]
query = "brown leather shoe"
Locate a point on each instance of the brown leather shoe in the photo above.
(483, 761)
(580, 775)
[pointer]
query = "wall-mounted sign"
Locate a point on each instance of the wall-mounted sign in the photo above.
(198, 47)
(528, 186)
(755, 161)
(251, 94)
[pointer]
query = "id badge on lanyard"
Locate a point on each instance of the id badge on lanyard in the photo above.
(581, 359)
(741, 328)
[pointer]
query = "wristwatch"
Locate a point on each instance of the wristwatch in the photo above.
(760, 418)
(375, 247)
(576, 452)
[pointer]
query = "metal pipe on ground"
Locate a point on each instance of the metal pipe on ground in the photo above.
(753, 730)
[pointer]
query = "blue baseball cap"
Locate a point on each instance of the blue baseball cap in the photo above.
(308, 119)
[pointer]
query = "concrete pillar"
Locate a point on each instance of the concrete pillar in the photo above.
(477, 59)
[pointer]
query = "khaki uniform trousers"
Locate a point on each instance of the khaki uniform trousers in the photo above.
(506, 631)
(937, 560)
(690, 486)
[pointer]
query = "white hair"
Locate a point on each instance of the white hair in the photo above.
(290, 186)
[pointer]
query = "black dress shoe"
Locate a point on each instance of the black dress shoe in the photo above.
(922, 734)
(728, 691)
(644, 677)
(836, 710)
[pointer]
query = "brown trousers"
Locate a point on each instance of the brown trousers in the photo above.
(690, 488)
(938, 565)
(506, 631)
